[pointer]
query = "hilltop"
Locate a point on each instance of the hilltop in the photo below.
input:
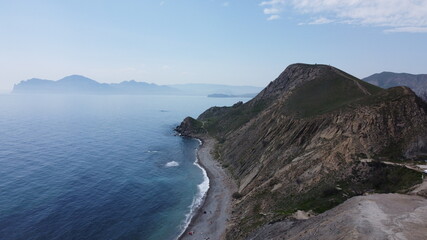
(313, 138)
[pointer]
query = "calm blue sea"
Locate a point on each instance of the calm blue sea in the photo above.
(97, 167)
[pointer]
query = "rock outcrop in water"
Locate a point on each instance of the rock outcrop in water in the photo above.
(190, 127)
(311, 139)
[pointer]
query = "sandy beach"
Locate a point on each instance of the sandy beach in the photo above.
(210, 221)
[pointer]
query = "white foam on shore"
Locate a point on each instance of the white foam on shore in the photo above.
(172, 164)
(200, 196)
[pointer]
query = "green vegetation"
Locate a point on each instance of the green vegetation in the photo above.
(391, 178)
(318, 199)
(219, 121)
(338, 92)
(248, 224)
(216, 152)
(392, 152)
(196, 124)
(387, 96)
(374, 177)
(237, 195)
(327, 94)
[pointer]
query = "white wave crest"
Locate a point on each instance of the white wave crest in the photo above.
(200, 196)
(172, 164)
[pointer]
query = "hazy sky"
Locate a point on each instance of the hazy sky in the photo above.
(240, 42)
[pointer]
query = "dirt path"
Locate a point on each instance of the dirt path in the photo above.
(418, 168)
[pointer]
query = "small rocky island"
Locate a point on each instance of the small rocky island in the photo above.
(317, 154)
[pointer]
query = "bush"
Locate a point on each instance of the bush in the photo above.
(237, 195)
(329, 191)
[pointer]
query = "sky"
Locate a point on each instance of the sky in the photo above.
(236, 42)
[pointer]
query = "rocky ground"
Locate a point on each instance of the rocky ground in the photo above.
(376, 216)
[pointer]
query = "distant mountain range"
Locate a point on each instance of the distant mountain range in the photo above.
(418, 83)
(220, 95)
(76, 84)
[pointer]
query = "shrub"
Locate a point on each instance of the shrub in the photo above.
(237, 195)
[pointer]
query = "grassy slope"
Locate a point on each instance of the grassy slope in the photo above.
(381, 178)
(219, 121)
(332, 92)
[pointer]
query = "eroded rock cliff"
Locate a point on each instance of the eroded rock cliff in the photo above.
(311, 139)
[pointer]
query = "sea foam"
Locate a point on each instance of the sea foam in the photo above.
(199, 198)
(172, 164)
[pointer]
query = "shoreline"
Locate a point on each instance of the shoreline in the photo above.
(211, 217)
(194, 207)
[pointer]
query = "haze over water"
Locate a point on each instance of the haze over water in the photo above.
(97, 167)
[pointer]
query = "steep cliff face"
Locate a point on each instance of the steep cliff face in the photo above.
(307, 142)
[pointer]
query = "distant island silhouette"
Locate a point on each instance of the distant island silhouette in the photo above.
(77, 84)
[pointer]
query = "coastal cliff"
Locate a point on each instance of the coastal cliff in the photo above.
(313, 138)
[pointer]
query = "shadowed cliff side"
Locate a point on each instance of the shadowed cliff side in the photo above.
(311, 139)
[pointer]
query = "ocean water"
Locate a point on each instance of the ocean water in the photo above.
(97, 167)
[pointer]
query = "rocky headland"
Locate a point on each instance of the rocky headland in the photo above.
(312, 139)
